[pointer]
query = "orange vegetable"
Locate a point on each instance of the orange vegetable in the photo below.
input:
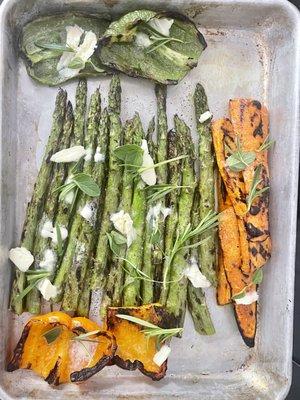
(62, 358)
(135, 350)
(245, 316)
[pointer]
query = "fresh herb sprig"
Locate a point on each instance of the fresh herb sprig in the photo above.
(209, 222)
(81, 181)
(266, 144)
(254, 193)
(132, 157)
(52, 334)
(160, 191)
(33, 277)
(162, 334)
(257, 279)
(239, 160)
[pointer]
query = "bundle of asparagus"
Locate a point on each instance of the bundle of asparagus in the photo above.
(126, 214)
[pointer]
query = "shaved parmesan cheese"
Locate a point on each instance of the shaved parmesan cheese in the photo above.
(72, 154)
(205, 116)
(124, 224)
(81, 52)
(162, 355)
(162, 25)
(98, 157)
(142, 40)
(88, 212)
(21, 257)
(149, 174)
(46, 288)
(195, 276)
(49, 231)
(49, 261)
(249, 298)
(88, 154)
(87, 48)
(73, 36)
(156, 214)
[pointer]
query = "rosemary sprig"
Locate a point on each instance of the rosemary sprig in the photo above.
(266, 144)
(33, 277)
(254, 193)
(210, 221)
(160, 191)
(52, 334)
(162, 334)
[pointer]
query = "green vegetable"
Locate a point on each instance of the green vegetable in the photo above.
(36, 205)
(134, 255)
(53, 334)
(173, 147)
(113, 289)
(50, 210)
(136, 46)
(207, 250)
(43, 42)
(114, 181)
(86, 270)
(78, 249)
(176, 256)
(199, 311)
(258, 276)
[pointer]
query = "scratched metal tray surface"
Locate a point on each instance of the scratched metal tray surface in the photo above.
(253, 51)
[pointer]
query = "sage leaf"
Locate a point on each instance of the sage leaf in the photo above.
(76, 63)
(240, 160)
(258, 276)
(239, 295)
(130, 154)
(86, 184)
(53, 334)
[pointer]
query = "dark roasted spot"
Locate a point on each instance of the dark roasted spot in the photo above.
(254, 210)
(254, 251)
(253, 231)
(256, 104)
(53, 378)
(258, 131)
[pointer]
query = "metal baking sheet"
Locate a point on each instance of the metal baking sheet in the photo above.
(253, 51)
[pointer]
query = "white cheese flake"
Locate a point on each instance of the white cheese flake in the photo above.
(142, 40)
(124, 224)
(205, 116)
(81, 52)
(88, 212)
(46, 288)
(88, 154)
(49, 261)
(21, 257)
(249, 298)
(156, 214)
(49, 231)
(99, 157)
(149, 174)
(72, 154)
(195, 276)
(162, 25)
(162, 355)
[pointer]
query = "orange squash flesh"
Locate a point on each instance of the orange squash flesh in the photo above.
(135, 350)
(64, 359)
(246, 320)
(234, 186)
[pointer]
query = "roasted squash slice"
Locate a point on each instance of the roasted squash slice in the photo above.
(246, 317)
(234, 185)
(60, 357)
(135, 350)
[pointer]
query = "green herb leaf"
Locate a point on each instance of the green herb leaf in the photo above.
(258, 276)
(85, 337)
(76, 63)
(118, 238)
(34, 277)
(54, 46)
(86, 184)
(266, 144)
(254, 193)
(59, 239)
(239, 159)
(52, 334)
(116, 241)
(131, 154)
(156, 237)
(160, 191)
(152, 330)
(239, 295)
